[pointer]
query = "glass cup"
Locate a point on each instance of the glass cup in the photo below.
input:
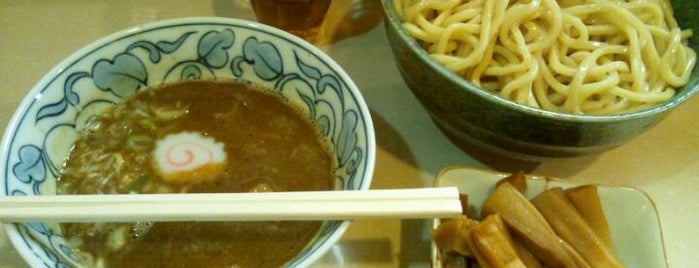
(303, 18)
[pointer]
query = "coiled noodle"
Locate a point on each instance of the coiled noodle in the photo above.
(573, 56)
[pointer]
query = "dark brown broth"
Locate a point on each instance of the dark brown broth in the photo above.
(269, 145)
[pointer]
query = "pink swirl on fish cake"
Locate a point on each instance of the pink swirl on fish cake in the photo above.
(186, 151)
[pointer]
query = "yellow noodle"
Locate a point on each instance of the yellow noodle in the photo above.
(574, 56)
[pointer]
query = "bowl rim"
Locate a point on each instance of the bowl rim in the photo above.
(393, 20)
(14, 234)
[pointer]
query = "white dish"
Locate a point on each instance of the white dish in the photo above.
(632, 216)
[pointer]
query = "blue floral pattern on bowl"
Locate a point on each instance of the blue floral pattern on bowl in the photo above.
(103, 74)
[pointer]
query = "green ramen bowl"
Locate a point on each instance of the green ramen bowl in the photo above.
(110, 70)
(473, 116)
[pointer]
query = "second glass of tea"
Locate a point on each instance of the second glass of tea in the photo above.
(303, 18)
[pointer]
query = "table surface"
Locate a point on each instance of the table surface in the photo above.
(664, 162)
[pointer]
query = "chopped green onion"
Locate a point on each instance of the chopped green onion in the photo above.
(167, 113)
(139, 143)
(119, 160)
(138, 183)
(148, 123)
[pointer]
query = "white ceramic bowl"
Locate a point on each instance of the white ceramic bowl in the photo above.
(105, 72)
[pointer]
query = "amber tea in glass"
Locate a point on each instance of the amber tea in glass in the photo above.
(300, 17)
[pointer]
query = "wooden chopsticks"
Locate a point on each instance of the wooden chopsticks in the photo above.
(288, 206)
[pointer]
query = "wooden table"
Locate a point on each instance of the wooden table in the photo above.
(664, 162)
